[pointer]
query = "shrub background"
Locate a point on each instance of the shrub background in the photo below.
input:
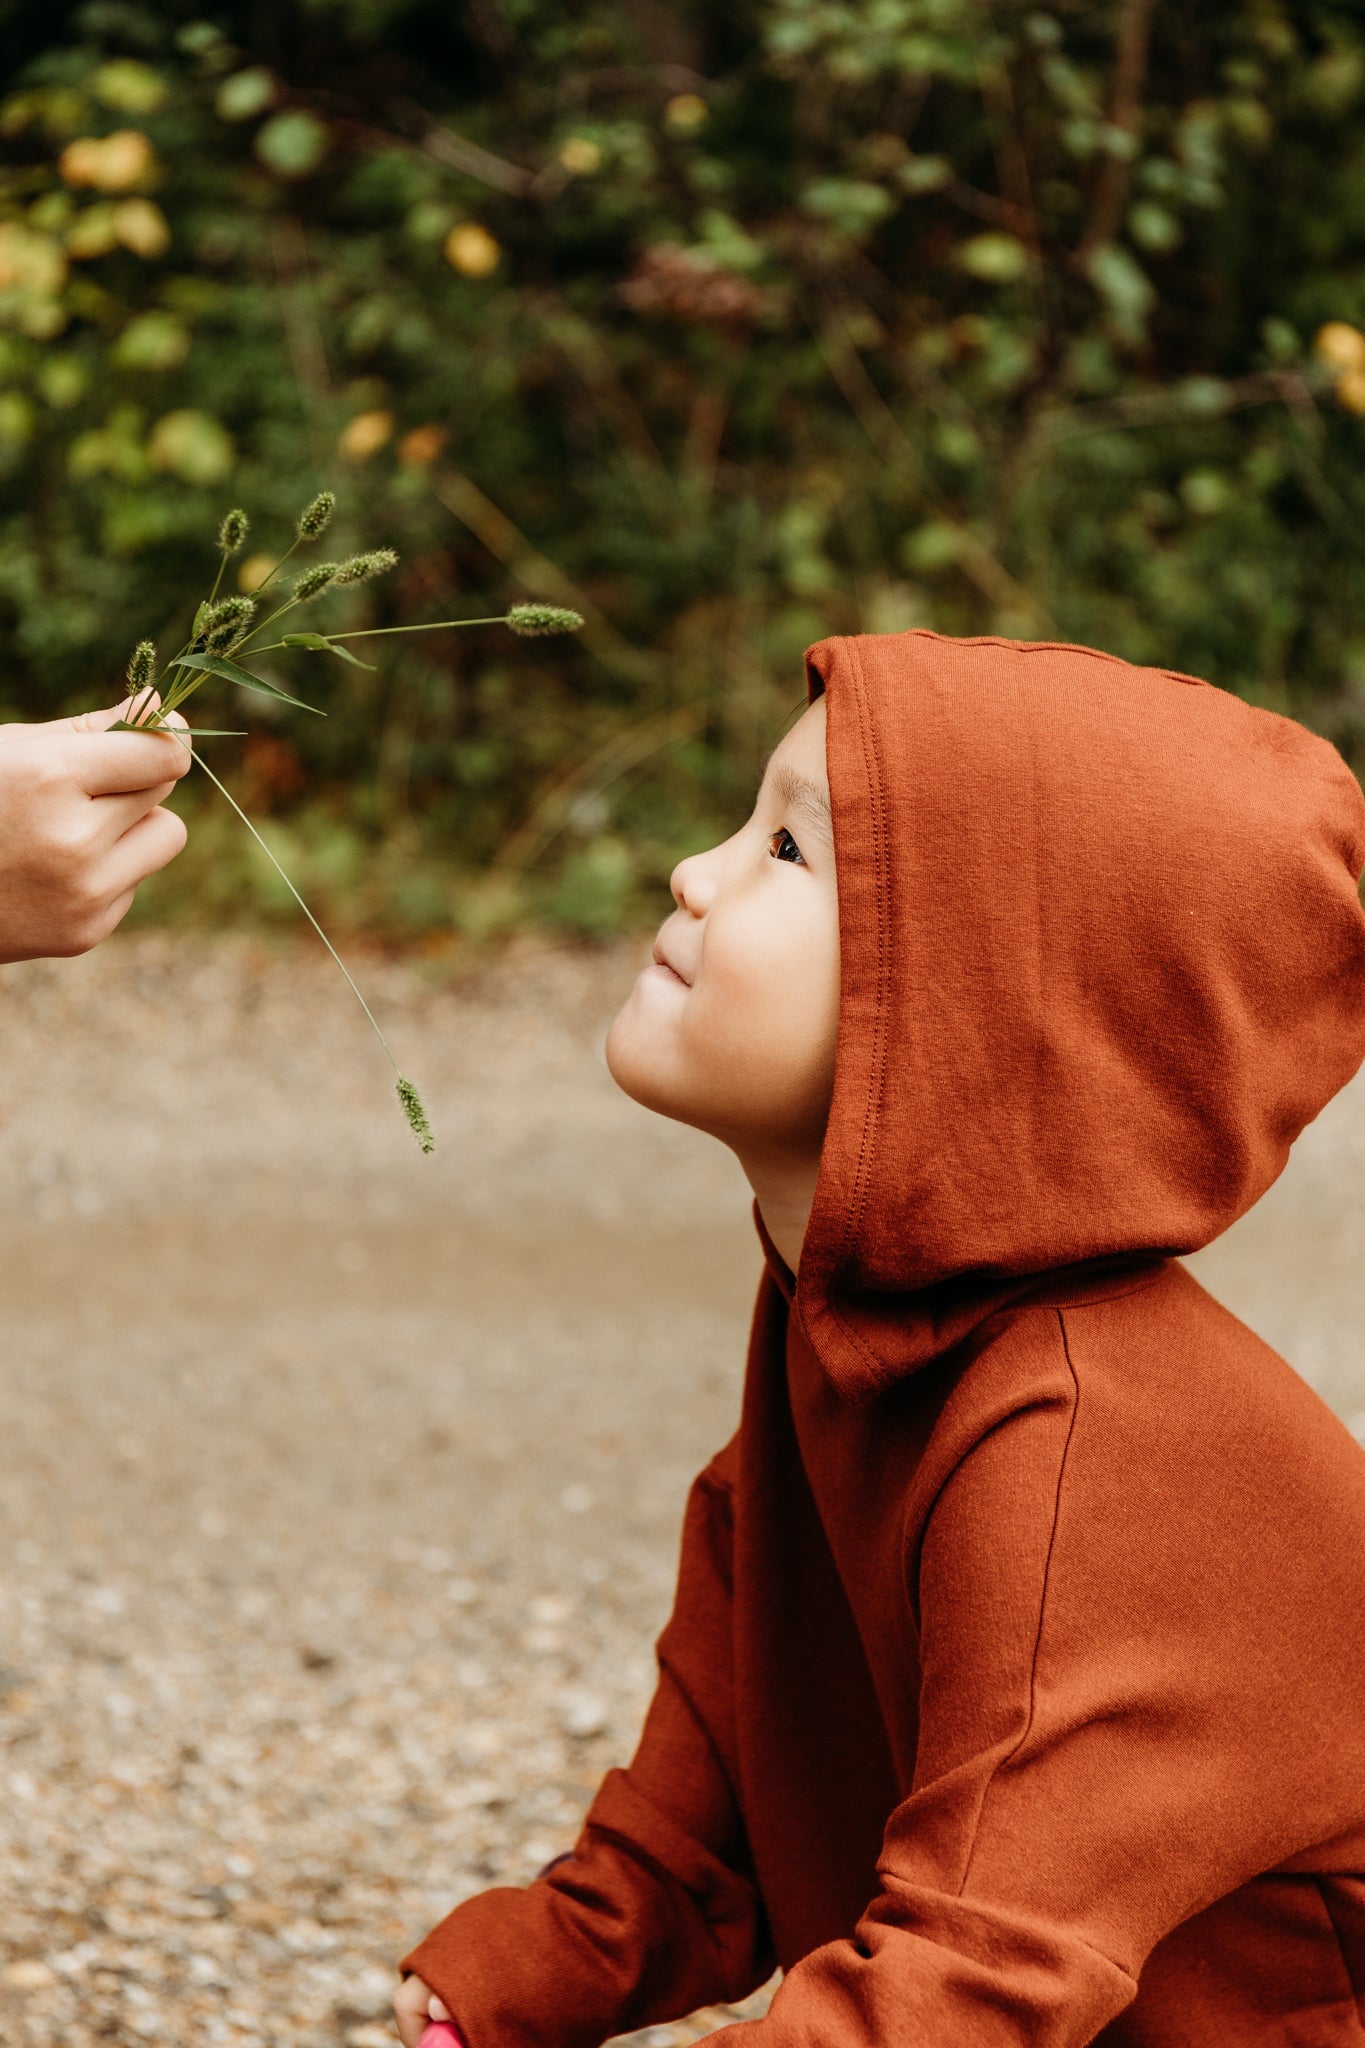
(730, 324)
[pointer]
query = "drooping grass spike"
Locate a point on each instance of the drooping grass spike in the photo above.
(416, 1114)
(532, 621)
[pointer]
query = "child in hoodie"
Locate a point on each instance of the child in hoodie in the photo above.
(1014, 1693)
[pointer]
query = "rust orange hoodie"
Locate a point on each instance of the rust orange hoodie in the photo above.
(1015, 1687)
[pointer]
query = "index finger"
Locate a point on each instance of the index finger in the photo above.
(113, 763)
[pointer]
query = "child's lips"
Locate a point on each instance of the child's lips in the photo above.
(662, 960)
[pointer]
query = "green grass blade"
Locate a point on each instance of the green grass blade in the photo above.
(186, 732)
(216, 665)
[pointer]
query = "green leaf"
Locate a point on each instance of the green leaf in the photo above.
(1124, 287)
(995, 259)
(191, 444)
(245, 94)
(292, 143)
(229, 671)
(322, 645)
(853, 204)
(184, 732)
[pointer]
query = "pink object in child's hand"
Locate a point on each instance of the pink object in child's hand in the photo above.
(440, 2034)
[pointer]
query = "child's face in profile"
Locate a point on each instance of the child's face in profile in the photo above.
(733, 1027)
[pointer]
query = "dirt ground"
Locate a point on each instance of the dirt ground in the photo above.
(340, 1488)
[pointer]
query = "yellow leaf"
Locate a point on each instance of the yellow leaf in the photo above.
(471, 250)
(142, 227)
(92, 233)
(29, 262)
(1351, 390)
(685, 113)
(365, 435)
(581, 155)
(421, 446)
(113, 163)
(253, 572)
(1340, 345)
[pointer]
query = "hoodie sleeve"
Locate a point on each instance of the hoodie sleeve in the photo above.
(654, 1914)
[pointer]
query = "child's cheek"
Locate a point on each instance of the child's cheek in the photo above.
(744, 995)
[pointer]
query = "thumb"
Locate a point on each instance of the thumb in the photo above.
(97, 721)
(83, 721)
(100, 721)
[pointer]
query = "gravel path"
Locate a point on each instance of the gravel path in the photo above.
(339, 1488)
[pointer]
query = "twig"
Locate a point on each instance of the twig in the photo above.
(458, 153)
(551, 810)
(977, 561)
(1160, 408)
(1125, 111)
(543, 578)
(584, 349)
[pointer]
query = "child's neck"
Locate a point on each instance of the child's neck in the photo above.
(784, 1188)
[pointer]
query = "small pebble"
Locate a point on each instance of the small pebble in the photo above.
(29, 1975)
(580, 1713)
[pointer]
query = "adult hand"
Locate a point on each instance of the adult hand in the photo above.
(415, 2006)
(81, 825)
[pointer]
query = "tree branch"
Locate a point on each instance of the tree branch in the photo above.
(1110, 195)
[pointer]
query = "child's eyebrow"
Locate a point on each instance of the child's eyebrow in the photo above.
(802, 797)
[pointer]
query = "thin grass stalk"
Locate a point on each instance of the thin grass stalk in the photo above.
(224, 791)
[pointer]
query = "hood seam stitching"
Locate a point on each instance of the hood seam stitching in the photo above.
(877, 1076)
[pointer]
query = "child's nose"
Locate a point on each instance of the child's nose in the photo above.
(692, 883)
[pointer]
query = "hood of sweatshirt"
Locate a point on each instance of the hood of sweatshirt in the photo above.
(1103, 957)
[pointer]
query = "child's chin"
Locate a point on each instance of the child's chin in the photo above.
(626, 1050)
(635, 1063)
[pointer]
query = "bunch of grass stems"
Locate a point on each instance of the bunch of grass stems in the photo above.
(227, 629)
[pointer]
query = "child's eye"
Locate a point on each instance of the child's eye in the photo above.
(782, 846)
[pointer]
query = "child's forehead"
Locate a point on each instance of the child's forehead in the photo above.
(794, 775)
(801, 750)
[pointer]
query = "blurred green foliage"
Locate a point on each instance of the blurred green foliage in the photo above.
(732, 324)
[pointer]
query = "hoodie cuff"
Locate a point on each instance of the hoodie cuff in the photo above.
(639, 1924)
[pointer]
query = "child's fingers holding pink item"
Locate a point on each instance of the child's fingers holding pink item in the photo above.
(422, 2019)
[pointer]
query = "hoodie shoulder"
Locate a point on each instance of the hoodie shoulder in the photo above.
(1176, 1446)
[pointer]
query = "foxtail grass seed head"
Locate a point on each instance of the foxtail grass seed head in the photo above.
(360, 568)
(533, 621)
(223, 625)
(142, 667)
(317, 517)
(416, 1115)
(233, 531)
(315, 580)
